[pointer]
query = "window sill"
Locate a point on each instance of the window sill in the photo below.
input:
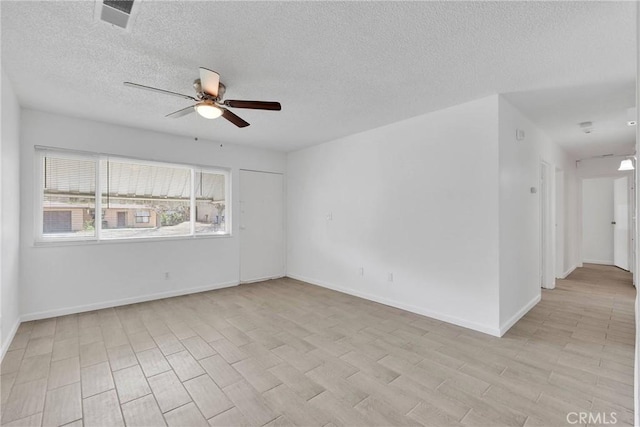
(62, 243)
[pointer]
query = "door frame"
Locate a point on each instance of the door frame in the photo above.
(547, 226)
(560, 223)
(629, 235)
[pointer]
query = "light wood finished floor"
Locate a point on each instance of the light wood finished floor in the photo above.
(287, 353)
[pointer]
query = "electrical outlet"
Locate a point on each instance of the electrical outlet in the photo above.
(390, 277)
(361, 271)
(167, 276)
(329, 216)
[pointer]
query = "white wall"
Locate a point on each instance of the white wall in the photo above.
(597, 214)
(9, 215)
(572, 221)
(520, 211)
(68, 278)
(418, 199)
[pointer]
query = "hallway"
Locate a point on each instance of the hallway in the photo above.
(584, 333)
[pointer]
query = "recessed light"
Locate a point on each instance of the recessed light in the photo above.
(631, 123)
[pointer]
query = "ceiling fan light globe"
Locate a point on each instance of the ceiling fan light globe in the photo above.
(208, 111)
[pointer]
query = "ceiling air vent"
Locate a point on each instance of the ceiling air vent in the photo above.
(116, 12)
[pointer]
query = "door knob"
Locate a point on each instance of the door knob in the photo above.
(613, 223)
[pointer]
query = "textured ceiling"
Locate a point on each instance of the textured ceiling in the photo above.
(559, 111)
(337, 67)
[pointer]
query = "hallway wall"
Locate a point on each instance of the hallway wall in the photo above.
(10, 215)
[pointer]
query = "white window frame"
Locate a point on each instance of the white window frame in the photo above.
(41, 239)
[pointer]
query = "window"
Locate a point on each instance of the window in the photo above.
(142, 217)
(210, 202)
(133, 198)
(68, 197)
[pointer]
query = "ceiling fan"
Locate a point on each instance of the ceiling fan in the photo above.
(209, 102)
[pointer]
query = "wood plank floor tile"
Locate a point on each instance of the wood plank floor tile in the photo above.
(260, 378)
(12, 360)
(131, 383)
(141, 341)
(65, 348)
(229, 351)
(296, 381)
(62, 405)
(198, 347)
(250, 403)
(283, 352)
(337, 385)
(102, 410)
(121, 356)
(30, 421)
(232, 417)
(25, 399)
(38, 346)
(187, 415)
(184, 365)
(96, 379)
(153, 362)
(220, 371)
(64, 372)
(284, 401)
(34, 368)
(143, 411)
(93, 353)
(168, 391)
(207, 396)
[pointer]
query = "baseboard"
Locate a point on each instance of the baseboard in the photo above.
(514, 319)
(596, 261)
(244, 282)
(568, 272)
(397, 304)
(7, 341)
(124, 301)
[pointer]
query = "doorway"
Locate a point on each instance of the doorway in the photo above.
(122, 219)
(606, 221)
(261, 226)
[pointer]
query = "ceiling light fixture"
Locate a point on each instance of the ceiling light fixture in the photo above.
(631, 123)
(208, 110)
(626, 165)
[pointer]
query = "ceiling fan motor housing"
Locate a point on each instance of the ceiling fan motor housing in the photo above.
(197, 85)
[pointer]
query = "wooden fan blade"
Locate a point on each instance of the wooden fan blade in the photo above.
(210, 81)
(256, 105)
(182, 112)
(155, 89)
(234, 119)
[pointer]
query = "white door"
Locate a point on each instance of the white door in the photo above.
(621, 223)
(597, 221)
(261, 226)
